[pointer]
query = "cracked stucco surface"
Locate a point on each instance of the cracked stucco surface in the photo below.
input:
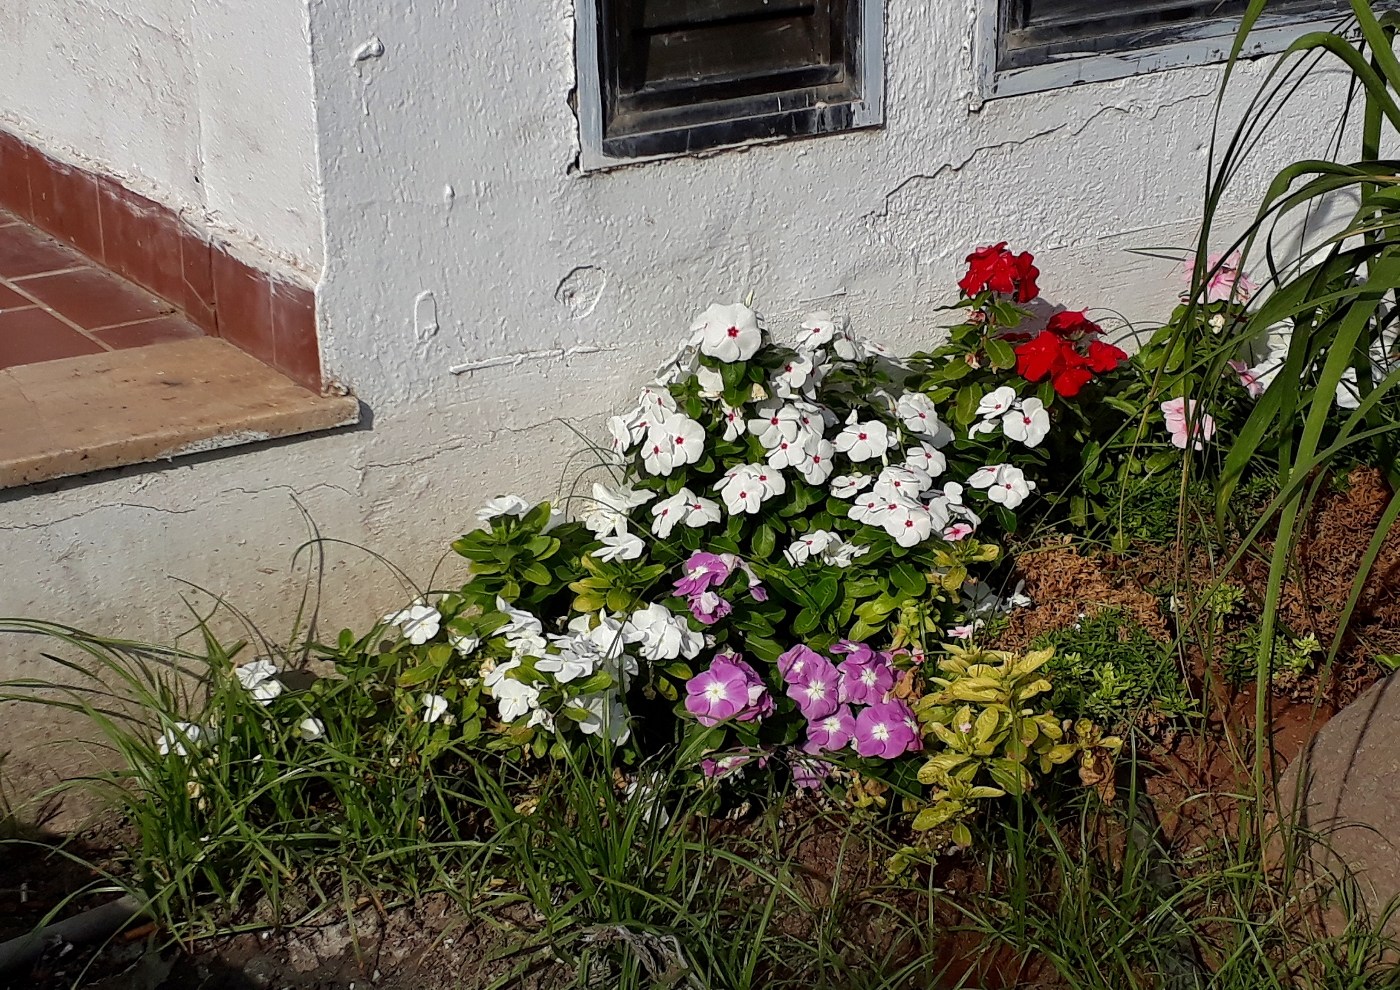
(556, 294)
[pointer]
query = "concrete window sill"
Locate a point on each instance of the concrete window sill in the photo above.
(99, 411)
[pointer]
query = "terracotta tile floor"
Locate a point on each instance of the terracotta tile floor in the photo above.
(55, 303)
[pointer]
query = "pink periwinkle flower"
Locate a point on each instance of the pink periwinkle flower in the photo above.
(708, 607)
(1177, 413)
(831, 733)
(1248, 380)
(717, 694)
(887, 730)
(730, 764)
(807, 773)
(817, 690)
(1225, 280)
(866, 677)
(792, 663)
(758, 591)
(958, 531)
(758, 703)
(703, 571)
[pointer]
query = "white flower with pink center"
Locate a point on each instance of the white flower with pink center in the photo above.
(849, 485)
(674, 442)
(741, 489)
(863, 441)
(813, 544)
(817, 330)
(1029, 424)
(818, 461)
(774, 423)
(902, 481)
(926, 458)
(918, 414)
(734, 422)
(728, 333)
(1010, 487)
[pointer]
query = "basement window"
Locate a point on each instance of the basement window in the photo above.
(659, 78)
(1046, 44)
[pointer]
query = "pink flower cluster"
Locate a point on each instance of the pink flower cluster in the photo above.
(847, 704)
(729, 689)
(705, 575)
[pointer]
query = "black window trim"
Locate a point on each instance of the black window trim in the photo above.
(803, 111)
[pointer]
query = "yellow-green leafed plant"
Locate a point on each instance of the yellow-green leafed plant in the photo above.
(983, 711)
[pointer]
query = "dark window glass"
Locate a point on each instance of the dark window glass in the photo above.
(683, 75)
(1037, 31)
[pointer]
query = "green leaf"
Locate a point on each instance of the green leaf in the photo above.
(536, 573)
(1000, 353)
(824, 592)
(764, 542)
(965, 408)
(908, 579)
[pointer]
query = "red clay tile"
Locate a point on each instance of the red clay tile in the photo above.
(197, 275)
(141, 240)
(26, 251)
(10, 299)
(93, 298)
(14, 175)
(298, 354)
(64, 202)
(28, 336)
(158, 331)
(243, 306)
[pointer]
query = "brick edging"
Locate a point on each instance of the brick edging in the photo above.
(152, 245)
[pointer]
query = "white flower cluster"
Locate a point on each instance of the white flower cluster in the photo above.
(593, 643)
(1024, 420)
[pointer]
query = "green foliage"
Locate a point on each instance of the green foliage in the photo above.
(995, 736)
(1110, 669)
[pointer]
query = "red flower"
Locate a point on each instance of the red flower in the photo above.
(999, 270)
(1051, 356)
(1073, 326)
(1035, 359)
(1104, 357)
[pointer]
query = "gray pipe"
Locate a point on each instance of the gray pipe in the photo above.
(94, 925)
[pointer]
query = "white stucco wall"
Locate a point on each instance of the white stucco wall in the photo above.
(204, 105)
(565, 290)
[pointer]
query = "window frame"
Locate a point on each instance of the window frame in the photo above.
(1197, 44)
(749, 125)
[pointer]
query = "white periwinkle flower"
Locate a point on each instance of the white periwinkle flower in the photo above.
(1029, 424)
(849, 485)
(503, 505)
(1010, 486)
(745, 487)
(813, 544)
(910, 524)
(464, 643)
(259, 679)
(711, 382)
(434, 707)
(607, 514)
(927, 458)
(684, 507)
(817, 461)
(734, 422)
(578, 658)
(918, 414)
(843, 554)
(863, 441)
(902, 481)
(311, 729)
(625, 547)
(671, 443)
(605, 715)
(997, 402)
(729, 333)
(419, 623)
(183, 738)
(818, 329)
(664, 635)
